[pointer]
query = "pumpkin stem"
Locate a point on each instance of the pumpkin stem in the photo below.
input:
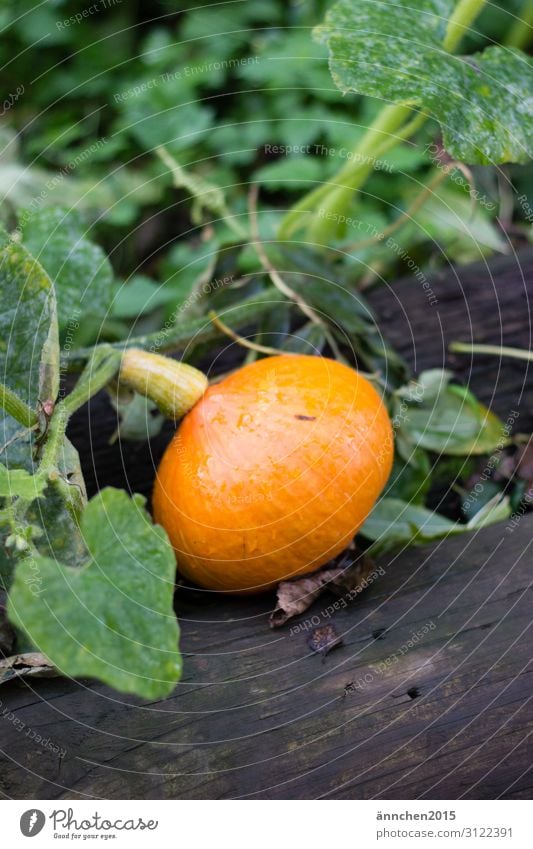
(173, 386)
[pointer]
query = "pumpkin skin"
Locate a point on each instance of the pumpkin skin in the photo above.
(272, 472)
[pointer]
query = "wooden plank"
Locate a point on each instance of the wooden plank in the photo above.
(258, 714)
(486, 302)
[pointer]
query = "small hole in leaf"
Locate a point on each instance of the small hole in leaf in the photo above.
(378, 633)
(413, 692)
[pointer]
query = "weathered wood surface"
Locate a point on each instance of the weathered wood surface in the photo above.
(257, 715)
(488, 302)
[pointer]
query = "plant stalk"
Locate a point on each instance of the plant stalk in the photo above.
(15, 407)
(494, 350)
(337, 193)
(463, 16)
(173, 386)
(100, 369)
(521, 32)
(354, 173)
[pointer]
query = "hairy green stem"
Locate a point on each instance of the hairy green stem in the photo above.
(17, 408)
(329, 223)
(378, 134)
(463, 16)
(101, 368)
(336, 194)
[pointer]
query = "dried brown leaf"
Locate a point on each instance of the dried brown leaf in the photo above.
(29, 663)
(340, 576)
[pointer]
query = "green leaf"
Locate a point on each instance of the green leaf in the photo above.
(140, 418)
(498, 509)
(393, 521)
(308, 339)
(80, 270)
(410, 480)
(164, 114)
(19, 483)
(139, 296)
(450, 422)
(451, 219)
(112, 619)
(29, 348)
(57, 516)
(393, 50)
(475, 499)
(185, 269)
(116, 199)
(290, 173)
(293, 57)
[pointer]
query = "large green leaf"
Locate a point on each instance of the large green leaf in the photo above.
(112, 619)
(410, 479)
(29, 367)
(60, 535)
(446, 418)
(19, 483)
(393, 521)
(451, 219)
(80, 270)
(139, 296)
(29, 349)
(393, 50)
(164, 114)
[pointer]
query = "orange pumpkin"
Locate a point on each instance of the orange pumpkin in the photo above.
(272, 472)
